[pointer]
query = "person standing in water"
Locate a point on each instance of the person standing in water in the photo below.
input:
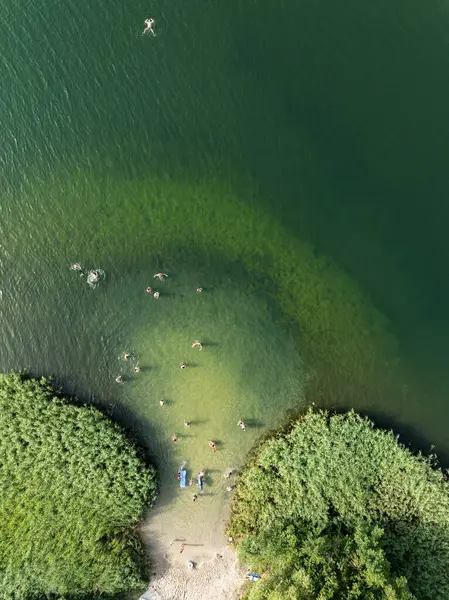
(242, 424)
(213, 446)
(149, 26)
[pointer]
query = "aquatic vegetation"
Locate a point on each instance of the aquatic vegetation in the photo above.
(339, 509)
(73, 488)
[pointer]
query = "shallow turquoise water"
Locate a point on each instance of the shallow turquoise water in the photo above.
(332, 120)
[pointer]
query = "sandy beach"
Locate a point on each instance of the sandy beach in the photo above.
(216, 574)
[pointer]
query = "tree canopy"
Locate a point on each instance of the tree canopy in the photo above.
(337, 509)
(73, 488)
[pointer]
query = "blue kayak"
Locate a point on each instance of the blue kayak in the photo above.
(182, 480)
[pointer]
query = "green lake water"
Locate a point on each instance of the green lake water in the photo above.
(290, 160)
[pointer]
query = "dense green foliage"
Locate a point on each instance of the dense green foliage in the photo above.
(73, 487)
(336, 509)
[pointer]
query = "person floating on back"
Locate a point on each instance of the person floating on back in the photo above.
(149, 27)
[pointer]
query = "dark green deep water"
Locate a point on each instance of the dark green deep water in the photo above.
(330, 118)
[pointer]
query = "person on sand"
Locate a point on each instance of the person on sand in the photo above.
(183, 365)
(195, 497)
(160, 276)
(174, 438)
(242, 424)
(198, 345)
(213, 446)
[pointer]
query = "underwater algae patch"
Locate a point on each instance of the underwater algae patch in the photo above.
(343, 338)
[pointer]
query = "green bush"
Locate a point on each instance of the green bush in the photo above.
(338, 509)
(73, 488)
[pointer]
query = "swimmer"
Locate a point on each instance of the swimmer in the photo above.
(162, 402)
(199, 290)
(190, 481)
(119, 379)
(183, 365)
(198, 345)
(213, 446)
(160, 276)
(149, 26)
(126, 356)
(187, 423)
(94, 276)
(149, 290)
(174, 438)
(181, 550)
(137, 369)
(156, 295)
(76, 267)
(242, 424)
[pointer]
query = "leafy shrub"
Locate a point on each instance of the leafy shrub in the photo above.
(366, 515)
(72, 490)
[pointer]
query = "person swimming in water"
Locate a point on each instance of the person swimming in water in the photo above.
(160, 276)
(213, 446)
(183, 365)
(149, 290)
(149, 27)
(198, 345)
(76, 267)
(156, 295)
(119, 379)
